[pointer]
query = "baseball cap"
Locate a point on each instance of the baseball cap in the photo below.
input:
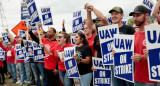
(139, 9)
(17, 36)
(118, 9)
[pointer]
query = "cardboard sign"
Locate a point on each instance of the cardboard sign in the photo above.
(98, 64)
(46, 16)
(19, 52)
(72, 40)
(101, 77)
(21, 33)
(70, 62)
(123, 64)
(2, 54)
(5, 37)
(32, 10)
(28, 53)
(152, 34)
(38, 53)
(33, 26)
(106, 35)
(20, 26)
(24, 11)
(77, 22)
(148, 4)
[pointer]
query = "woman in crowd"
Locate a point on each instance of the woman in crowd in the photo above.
(83, 56)
(58, 51)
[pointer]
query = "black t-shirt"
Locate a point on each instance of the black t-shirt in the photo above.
(125, 29)
(84, 51)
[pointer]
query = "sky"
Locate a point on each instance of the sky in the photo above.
(63, 9)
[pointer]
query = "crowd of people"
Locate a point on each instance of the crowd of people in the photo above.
(53, 71)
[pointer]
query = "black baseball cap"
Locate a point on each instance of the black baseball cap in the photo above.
(118, 9)
(139, 9)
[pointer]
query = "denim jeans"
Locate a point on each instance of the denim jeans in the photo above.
(144, 84)
(12, 70)
(43, 74)
(24, 72)
(85, 80)
(119, 82)
(36, 73)
(65, 80)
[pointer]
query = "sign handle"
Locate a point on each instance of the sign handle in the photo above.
(40, 38)
(27, 32)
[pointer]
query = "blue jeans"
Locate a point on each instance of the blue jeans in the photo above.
(36, 73)
(85, 80)
(42, 71)
(24, 72)
(144, 84)
(12, 70)
(65, 80)
(119, 82)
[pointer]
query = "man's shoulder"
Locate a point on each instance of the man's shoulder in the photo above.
(127, 26)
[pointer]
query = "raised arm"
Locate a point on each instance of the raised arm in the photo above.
(100, 16)
(10, 36)
(157, 10)
(63, 26)
(33, 36)
(2, 46)
(90, 23)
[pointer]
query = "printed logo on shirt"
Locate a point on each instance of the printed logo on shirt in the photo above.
(9, 53)
(144, 42)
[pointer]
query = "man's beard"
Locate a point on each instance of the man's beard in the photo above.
(139, 23)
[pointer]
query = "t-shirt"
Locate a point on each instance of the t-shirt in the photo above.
(1, 63)
(90, 41)
(96, 46)
(158, 22)
(14, 42)
(141, 68)
(49, 61)
(84, 51)
(10, 53)
(125, 29)
(55, 51)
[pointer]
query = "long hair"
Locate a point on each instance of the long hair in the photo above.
(82, 36)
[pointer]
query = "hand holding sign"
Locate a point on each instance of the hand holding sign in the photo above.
(137, 57)
(145, 51)
(75, 57)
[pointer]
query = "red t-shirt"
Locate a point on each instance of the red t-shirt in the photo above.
(141, 68)
(49, 61)
(158, 22)
(91, 41)
(1, 63)
(10, 53)
(14, 43)
(55, 52)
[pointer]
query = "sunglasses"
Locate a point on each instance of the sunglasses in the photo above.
(95, 21)
(58, 37)
(8, 44)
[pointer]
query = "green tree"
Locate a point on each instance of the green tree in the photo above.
(130, 22)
